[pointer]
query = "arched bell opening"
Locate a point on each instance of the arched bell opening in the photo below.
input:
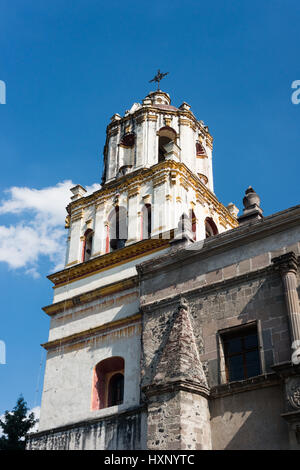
(165, 136)
(118, 228)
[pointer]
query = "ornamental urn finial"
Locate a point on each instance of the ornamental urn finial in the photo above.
(252, 210)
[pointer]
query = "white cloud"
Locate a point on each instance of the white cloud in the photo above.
(39, 227)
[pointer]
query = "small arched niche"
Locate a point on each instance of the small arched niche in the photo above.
(108, 383)
(210, 228)
(165, 135)
(87, 245)
(200, 150)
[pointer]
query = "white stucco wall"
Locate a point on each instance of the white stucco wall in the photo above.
(94, 314)
(67, 389)
(101, 279)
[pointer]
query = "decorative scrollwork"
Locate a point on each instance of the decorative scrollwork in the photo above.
(293, 392)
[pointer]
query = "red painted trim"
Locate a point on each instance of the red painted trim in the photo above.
(107, 240)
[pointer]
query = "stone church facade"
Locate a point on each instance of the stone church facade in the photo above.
(175, 324)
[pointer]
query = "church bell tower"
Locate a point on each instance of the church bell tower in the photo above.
(157, 189)
(157, 179)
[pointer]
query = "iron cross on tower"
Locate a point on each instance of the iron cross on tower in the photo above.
(158, 77)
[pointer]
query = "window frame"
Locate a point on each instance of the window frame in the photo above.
(237, 331)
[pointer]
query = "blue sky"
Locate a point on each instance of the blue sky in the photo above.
(70, 65)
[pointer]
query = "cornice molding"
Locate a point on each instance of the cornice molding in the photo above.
(227, 240)
(143, 113)
(254, 383)
(91, 295)
(157, 172)
(107, 261)
(177, 385)
(83, 335)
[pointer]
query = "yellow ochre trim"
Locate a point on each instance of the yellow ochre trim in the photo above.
(91, 295)
(108, 261)
(106, 327)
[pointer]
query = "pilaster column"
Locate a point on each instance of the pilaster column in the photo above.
(160, 190)
(75, 245)
(134, 229)
(290, 372)
(288, 266)
(100, 231)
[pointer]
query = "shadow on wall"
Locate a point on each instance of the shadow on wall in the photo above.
(249, 421)
(259, 300)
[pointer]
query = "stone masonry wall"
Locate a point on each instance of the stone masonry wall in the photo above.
(229, 289)
(254, 298)
(178, 421)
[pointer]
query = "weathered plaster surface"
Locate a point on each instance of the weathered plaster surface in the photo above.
(69, 376)
(124, 431)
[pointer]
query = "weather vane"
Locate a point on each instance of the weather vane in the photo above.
(158, 77)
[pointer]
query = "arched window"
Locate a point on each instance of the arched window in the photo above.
(87, 245)
(146, 222)
(108, 383)
(165, 135)
(118, 230)
(210, 227)
(116, 390)
(126, 153)
(203, 178)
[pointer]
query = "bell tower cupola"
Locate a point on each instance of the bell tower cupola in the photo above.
(157, 184)
(154, 131)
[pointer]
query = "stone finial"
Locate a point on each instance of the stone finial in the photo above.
(252, 210)
(251, 199)
(183, 233)
(185, 106)
(115, 117)
(78, 192)
(233, 210)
